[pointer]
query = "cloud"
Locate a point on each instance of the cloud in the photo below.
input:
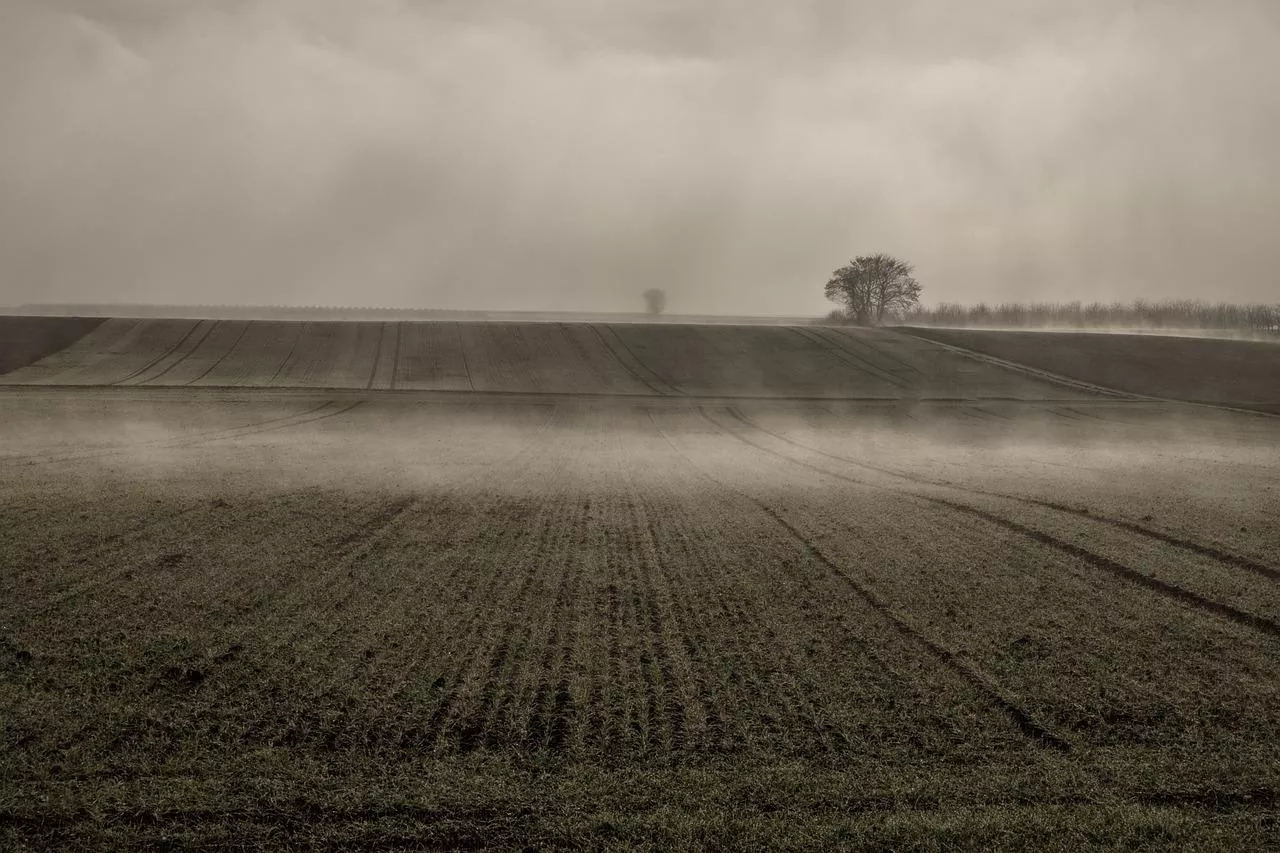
(570, 154)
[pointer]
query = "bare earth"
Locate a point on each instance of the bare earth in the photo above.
(677, 588)
(1238, 373)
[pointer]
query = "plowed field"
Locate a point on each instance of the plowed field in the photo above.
(560, 358)
(683, 618)
(1239, 373)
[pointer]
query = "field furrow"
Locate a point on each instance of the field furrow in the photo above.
(589, 602)
(1199, 566)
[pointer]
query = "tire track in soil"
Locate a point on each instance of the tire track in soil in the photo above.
(635, 374)
(170, 351)
(223, 357)
(213, 324)
(185, 441)
(983, 682)
(1027, 370)
(100, 344)
(849, 358)
(837, 740)
(1178, 593)
(377, 356)
(1193, 546)
(672, 390)
(395, 358)
(965, 670)
(591, 365)
(857, 341)
(462, 351)
(994, 416)
(1098, 561)
(293, 348)
(258, 431)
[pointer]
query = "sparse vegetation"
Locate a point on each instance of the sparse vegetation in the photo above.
(1168, 314)
(992, 616)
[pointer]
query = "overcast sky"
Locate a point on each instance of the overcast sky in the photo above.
(568, 154)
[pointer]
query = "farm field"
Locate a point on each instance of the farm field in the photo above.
(916, 602)
(1235, 372)
(558, 358)
(24, 339)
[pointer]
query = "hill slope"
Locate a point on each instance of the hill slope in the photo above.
(27, 339)
(1240, 373)
(551, 358)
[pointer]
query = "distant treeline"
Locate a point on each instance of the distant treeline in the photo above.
(1171, 314)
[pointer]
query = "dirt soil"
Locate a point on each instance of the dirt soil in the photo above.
(631, 359)
(24, 340)
(1242, 373)
(273, 619)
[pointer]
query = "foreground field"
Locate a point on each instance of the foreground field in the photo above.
(356, 620)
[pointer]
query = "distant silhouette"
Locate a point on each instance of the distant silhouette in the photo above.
(872, 286)
(655, 300)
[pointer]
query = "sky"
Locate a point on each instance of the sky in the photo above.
(569, 154)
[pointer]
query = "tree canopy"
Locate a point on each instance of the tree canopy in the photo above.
(655, 300)
(873, 286)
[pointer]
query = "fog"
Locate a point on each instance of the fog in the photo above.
(567, 154)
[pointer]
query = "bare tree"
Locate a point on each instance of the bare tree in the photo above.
(873, 286)
(655, 300)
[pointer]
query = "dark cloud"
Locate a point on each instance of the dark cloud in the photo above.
(569, 153)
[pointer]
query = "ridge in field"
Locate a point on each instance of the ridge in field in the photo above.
(642, 359)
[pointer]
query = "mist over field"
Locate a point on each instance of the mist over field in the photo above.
(562, 154)
(286, 564)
